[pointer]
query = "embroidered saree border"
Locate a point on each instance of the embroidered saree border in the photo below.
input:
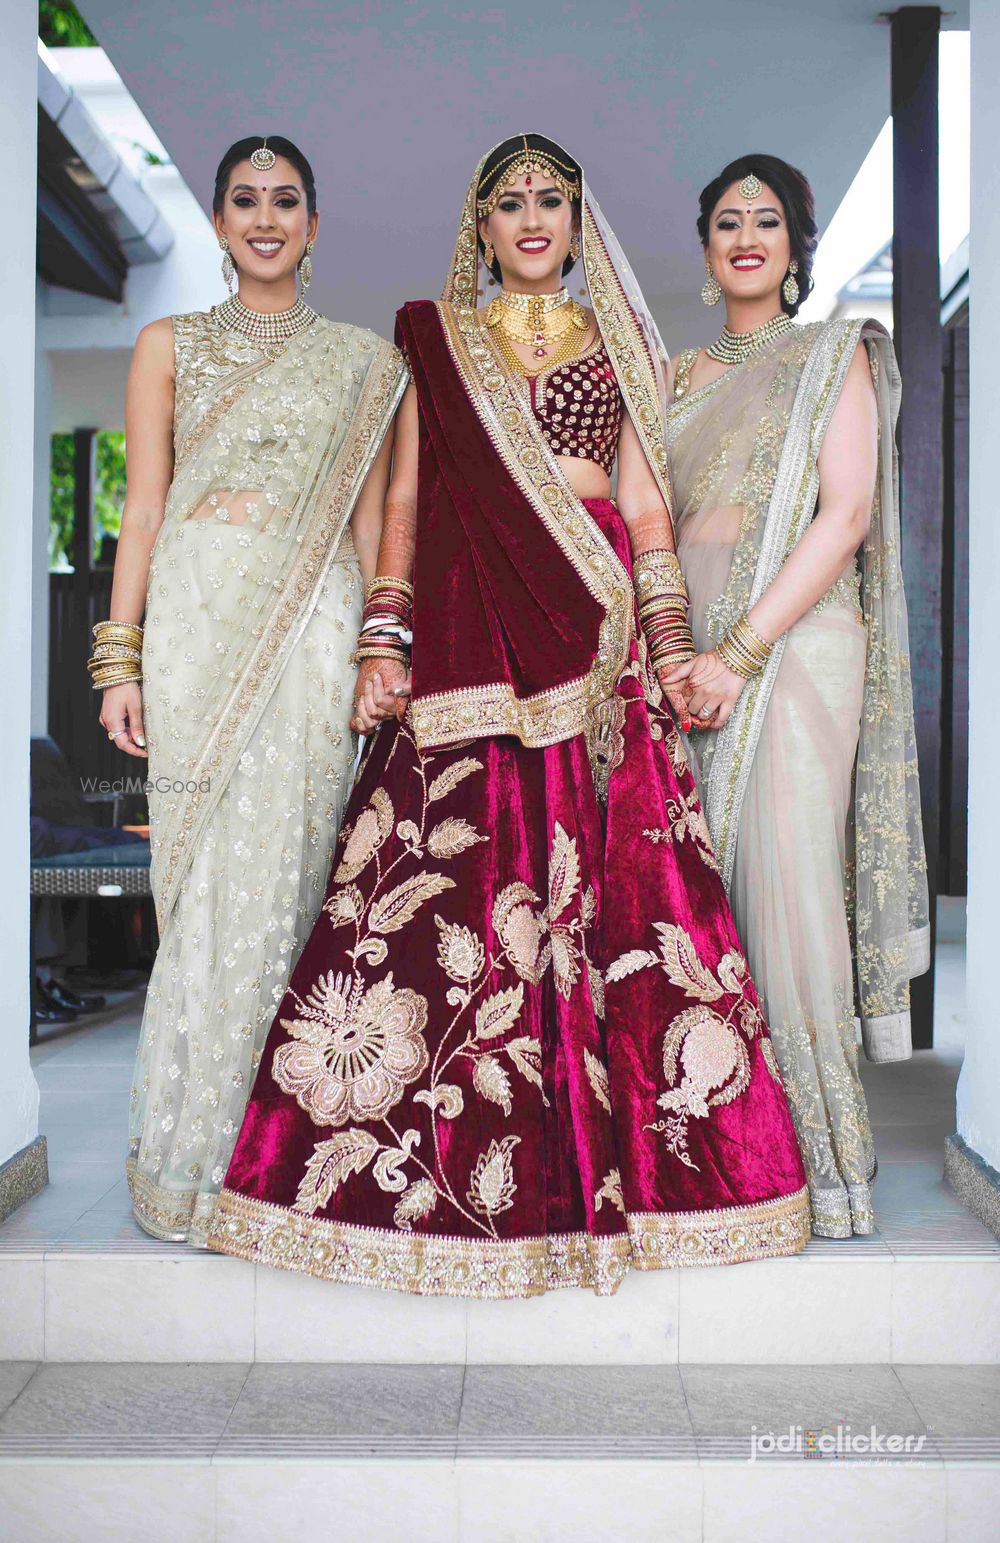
(173, 1216)
(629, 352)
(793, 498)
(380, 395)
(448, 1266)
(545, 718)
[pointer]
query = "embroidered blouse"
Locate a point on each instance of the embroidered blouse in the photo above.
(579, 407)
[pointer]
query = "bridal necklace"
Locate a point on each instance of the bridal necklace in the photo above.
(266, 329)
(550, 325)
(737, 347)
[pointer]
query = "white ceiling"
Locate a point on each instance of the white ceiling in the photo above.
(394, 100)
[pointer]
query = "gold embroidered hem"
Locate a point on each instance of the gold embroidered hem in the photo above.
(503, 1269)
(770, 1230)
(846, 1212)
(170, 1215)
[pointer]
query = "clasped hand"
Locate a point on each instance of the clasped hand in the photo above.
(703, 691)
(382, 691)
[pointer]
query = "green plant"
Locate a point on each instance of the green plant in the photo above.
(109, 494)
(62, 26)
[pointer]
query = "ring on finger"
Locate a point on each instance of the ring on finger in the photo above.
(706, 711)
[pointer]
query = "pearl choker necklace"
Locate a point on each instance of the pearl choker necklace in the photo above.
(737, 347)
(533, 305)
(263, 327)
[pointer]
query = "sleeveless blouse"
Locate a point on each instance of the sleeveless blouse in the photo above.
(579, 407)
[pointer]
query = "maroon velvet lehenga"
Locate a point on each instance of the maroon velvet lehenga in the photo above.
(521, 1048)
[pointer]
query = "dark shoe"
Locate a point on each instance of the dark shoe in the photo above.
(44, 1014)
(64, 996)
(47, 1002)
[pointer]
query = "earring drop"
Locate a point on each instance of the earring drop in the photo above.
(711, 290)
(228, 266)
(574, 246)
(489, 256)
(306, 266)
(790, 288)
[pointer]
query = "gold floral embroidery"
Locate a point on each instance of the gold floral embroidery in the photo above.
(686, 819)
(356, 1046)
(353, 1050)
(611, 1189)
(705, 1044)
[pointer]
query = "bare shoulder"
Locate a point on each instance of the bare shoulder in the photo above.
(154, 347)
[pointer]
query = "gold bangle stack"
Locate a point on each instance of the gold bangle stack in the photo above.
(384, 648)
(662, 597)
(743, 650)
(388, 584)
(117, 656)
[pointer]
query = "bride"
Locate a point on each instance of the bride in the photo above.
(521, 1049)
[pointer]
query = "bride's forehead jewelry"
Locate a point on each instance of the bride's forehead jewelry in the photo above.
(263, 158)
(526, 163)
(751, 187)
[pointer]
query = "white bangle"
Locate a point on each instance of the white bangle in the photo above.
(388, 625)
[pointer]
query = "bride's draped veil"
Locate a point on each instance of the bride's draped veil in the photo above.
(626, 324)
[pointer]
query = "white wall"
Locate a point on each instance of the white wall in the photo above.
(978, 1101)
(40, 542)
(18, 116)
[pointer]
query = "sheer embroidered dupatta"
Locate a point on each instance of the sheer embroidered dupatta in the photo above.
(522, 608)
(765, 451)
(280, 446)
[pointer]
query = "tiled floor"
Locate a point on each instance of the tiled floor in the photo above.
(685, 1413)
(85, 1077)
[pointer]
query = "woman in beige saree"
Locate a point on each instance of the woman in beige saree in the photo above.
(259, 437)
(782, 456)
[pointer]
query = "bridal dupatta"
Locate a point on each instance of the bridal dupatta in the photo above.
(752, 438)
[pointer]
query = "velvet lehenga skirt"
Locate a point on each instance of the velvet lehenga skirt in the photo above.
(521, 1048)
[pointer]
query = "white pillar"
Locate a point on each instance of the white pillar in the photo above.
(979, 1084)
(40, 539)
(18, 118)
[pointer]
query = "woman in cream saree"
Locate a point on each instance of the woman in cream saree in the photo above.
(810, 787)
(253, 610)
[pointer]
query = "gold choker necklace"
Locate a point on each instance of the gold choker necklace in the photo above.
(550, 325)
(737, 347)
(264, 328)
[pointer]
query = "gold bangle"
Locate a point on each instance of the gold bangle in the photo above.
(103, 630)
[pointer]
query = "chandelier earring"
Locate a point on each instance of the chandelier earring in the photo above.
(489, 256)
(790, 288)
(574, 246)
(228, 266)
(711, 290)
(306, 266)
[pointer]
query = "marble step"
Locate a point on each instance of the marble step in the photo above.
(216, 1453)
(836, 1303)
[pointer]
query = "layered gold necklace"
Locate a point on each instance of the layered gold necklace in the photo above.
(552, 326)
